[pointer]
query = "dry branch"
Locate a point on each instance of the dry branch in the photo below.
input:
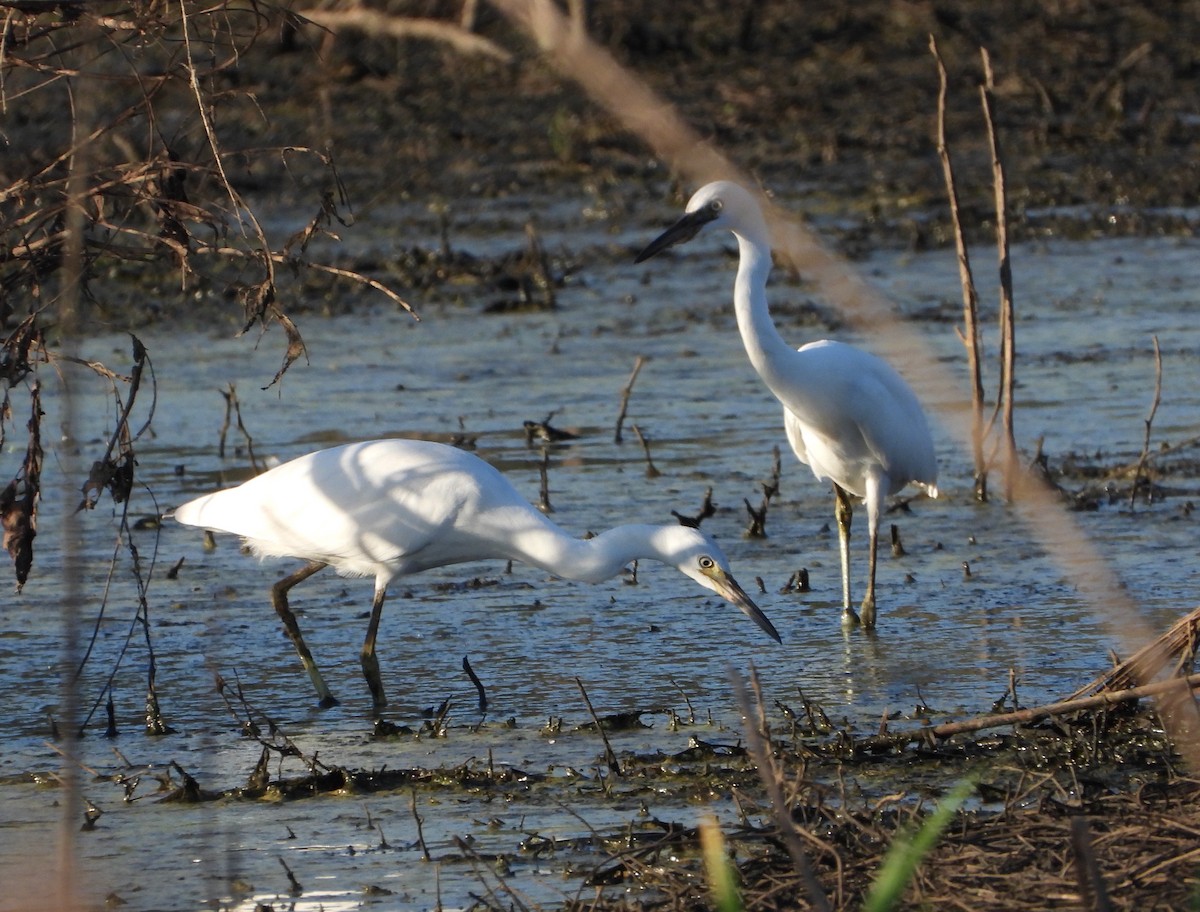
(651, 469)
(1141, 465)
(1106, 698)
(970, 333)
(609, 754)
(625, 394)
(1007, 383)
(1177, 646)
(377, 23)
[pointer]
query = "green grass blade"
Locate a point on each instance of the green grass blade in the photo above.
(908, 850)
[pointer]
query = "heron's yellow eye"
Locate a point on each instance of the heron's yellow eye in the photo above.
(707, 563)
(715, 206)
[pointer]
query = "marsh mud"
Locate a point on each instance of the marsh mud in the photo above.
(507, 207)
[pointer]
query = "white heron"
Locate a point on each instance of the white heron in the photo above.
(390, 508)
(847, 413)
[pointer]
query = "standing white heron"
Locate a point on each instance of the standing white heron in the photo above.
(847, 413)
(390, 508)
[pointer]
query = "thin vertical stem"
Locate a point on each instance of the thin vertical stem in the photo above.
(1141, 466)
(625, 394)
(970, 333)
(71, 301)
(1008, 353)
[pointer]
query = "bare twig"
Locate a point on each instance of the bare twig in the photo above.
(294, 888)
(625, 394)
(232, 406)
(1007, 321)
(682, 693)
(1178, 644)
(609, 756)
(420, 830)
(1141, 465)
(970, 332)
(1033, 714)
(544, 486)
(483, 703)
(707, 509)
(377, 23)
(651, 469)
(539, 269)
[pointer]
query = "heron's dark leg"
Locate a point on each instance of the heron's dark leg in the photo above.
(370, 662)
(844, 511)
(279, 601)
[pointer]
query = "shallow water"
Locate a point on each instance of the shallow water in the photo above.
(1087, 312)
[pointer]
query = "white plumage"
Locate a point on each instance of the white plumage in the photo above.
(847, 413)
(390, 508)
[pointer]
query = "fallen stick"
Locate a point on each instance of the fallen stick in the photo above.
(1178, 644)
(1032, 714)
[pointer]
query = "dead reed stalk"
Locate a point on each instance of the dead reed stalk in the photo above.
(626, 392)
(1008, 350)
(970, 334)
(1140, 471)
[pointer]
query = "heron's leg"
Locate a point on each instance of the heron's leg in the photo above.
(875, 489)
(370, 662)
(868, 602)
(280, 603)
(844, 511)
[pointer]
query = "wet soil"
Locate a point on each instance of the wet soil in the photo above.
(832, 104)
(832, 107)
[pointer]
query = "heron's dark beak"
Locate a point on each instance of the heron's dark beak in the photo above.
(682, 231)
(728, 588)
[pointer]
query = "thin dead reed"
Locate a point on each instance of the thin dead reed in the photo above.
(971, 335)
(1140, 471)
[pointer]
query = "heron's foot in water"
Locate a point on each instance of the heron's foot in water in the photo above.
(849, 618)
(868, 614)
(370, 666)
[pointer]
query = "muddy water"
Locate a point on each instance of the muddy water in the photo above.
(945, 639)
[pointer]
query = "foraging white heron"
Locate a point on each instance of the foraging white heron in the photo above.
(847, 413)
(390, 508)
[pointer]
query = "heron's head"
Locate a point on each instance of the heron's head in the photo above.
(699, 557)
(722, 204)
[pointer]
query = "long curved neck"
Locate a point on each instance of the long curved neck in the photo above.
(764, 345)
(591, 560)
